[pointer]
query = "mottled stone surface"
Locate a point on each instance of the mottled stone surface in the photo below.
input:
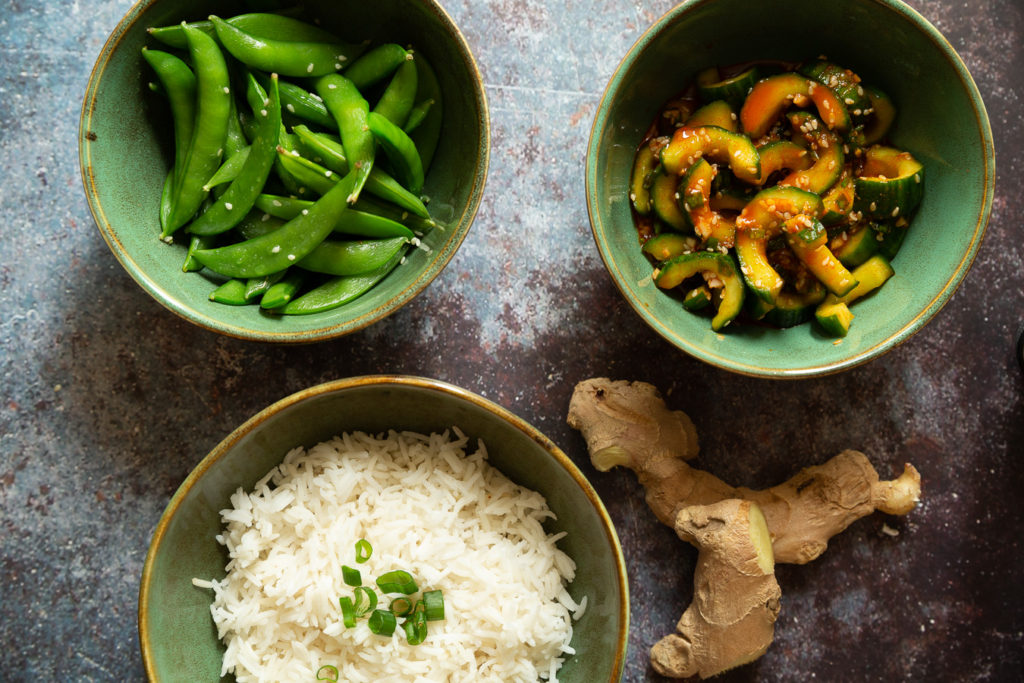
(108, 400)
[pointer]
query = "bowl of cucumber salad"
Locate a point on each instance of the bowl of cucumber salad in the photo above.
(291, 174)
(797, 190)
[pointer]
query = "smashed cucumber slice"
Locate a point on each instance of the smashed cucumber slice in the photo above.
(722, 266)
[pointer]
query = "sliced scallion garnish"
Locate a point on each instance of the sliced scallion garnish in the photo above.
(401, 607)
(351, 576)
(348, 612)
(365, 600)
(416, 625)
(433, 604)
(323, 673)
(363, 550)
(382, 622)
(397, 581)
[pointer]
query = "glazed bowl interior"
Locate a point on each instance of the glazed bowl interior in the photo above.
(126, 149)
(941, 120)
(177, 634)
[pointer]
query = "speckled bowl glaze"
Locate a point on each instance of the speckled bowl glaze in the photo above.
(176, 631)
(941, 120)
(126, 149)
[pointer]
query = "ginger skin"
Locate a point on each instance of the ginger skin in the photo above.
(731, 620)
(627, 423)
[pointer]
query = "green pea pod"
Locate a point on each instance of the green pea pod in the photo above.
(418, 113)
(379, 183)
(236, 202)
(231, 292)
(419, 225)
(338, 291)
(354, 257)
(229, 170)
(288, 58)
(209, 131)
(400, 151)
(236, 140)
(376, 65)
(260, 23)
(256, 287)
(258, 224)
(284, 246)
(348, 107)
(197, 242)
(302, 103)
(179, 85)
(352, 222)
(428, 133)
(166, 197)
(398, 98)
(280, 293)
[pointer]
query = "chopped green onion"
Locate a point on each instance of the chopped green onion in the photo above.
(416, 625)
(351, 576)
(365, 600)
(397, 581)
(327, 669)
(401, 607)
(433, 604)
(363, 550)
(348, 612)
(382, 622)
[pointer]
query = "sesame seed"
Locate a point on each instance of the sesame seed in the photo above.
(263, 112)
(291, 257)
(305, 212)
(873, 206)
(228, 206)
(226, 90)
(290, 107)
(849, 100)
(277, 202)
(896, 212)
(331, 86)
(265, 217)
(309, 69)
(276, 249)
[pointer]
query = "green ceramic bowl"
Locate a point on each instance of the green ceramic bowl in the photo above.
(177, 635)
(126, 150)
(941, 120)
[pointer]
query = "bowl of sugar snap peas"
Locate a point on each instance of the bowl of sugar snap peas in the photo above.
(286, 175)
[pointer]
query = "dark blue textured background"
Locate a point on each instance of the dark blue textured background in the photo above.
(107, 400)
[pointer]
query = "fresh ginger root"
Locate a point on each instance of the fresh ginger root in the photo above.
(628, 424)
(731, 620)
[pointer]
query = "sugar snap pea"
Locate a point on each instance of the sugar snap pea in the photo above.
(428, 133)
(258, 223)
(235, 140)
(376, 65)
(350, 109)
(231, 292)
(195, 243)
(179, 85)
(400, 151)
(418, 113)
(298, 101)
(277, 25)
(288, 58)
(229, 170)
(351, 257)
(236, 202)
(213, 103)
(256, 287)
(379, 183)
(398, 98)
(284, 246)
(351, 222)
(280, 293)
(338, 291)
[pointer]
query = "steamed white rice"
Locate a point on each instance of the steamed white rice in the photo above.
(426, 506)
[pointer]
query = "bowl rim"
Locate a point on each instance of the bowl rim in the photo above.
(913, 325)
(185, 309)
(177, 499)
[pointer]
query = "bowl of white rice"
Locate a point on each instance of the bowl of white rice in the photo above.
(253, 557)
